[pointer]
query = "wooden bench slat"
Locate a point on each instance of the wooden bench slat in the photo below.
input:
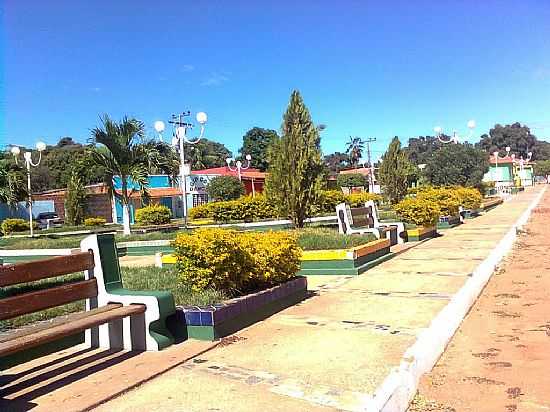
(31, 302)
(50, 323)
(47, 268)
(68, 328)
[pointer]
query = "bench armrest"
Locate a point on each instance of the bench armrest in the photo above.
(159, 305)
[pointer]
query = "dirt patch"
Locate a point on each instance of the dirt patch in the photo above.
(511, 376)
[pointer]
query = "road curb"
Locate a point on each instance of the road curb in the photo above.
(399, 387)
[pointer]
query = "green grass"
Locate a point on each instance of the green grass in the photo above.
(144, 278)
(325, 238)
(153, 278)
(53, 241)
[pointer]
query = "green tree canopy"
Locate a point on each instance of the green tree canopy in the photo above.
(350, 180)
(256, 143)
(336, 161)
(542, 168)
(295, 163)
(124, 152)
(13, 185)
(457, 164)
(516, 136)
(206, 154)
(394, 172)
(225, 188)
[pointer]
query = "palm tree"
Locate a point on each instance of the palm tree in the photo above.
(12, 184)
(354, 149)
(127, 154)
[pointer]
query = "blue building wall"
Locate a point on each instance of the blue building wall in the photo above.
(196, 185)
(20, 211)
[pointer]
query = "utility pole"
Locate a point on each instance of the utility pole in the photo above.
(368, 141)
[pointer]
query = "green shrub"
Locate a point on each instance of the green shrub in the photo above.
(246, 208)
(223, 188)
(94, 221)
(320, 238)
(327, 201)
(235, 262)
(350, 180)
(153, 215)
(421, 212)
(16, 225)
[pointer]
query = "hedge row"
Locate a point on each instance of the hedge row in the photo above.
(425, 205)
(16, 225)
(250, 208)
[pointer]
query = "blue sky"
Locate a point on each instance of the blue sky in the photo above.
(366, 68)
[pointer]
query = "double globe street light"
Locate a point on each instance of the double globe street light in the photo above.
(454, 138)
(238, 165)
(16, 151)
(178, 140)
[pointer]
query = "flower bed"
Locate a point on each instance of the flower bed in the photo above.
(421, 233)
(216, 321)
(448, 222)
(349, 261)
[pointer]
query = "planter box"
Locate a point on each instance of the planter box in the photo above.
(353, 261)
(214, 322)
(489, 204)
(421, 233)
(448, 222)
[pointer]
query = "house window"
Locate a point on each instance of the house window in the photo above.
(200, 199)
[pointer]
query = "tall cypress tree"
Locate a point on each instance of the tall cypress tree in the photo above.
(75, 200)
(394, 171)
(296, 165)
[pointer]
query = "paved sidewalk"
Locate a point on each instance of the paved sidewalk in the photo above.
(498, 360)
(336, 348)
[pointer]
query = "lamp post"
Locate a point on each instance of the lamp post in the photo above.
(178, 140)
(238, 165)
(15, 150)
(454, 139)
(495, 154)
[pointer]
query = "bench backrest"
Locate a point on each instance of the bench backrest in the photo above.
(20, 301)
(363, 217)
(349, 218)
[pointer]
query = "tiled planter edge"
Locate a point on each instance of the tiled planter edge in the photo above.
(215, 322)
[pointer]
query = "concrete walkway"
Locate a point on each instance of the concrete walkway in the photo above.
(336, 349)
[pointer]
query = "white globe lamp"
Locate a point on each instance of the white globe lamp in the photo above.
(201, 117)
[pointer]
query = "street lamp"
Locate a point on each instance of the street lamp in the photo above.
(178, 140)
(15, 151)
(496, 156)
(454, 139)
(238, 164)
(159, 127)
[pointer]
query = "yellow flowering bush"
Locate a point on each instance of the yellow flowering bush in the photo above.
(359, 199)
(236, 262)
(153, 215)
(417, 210)
(246, 208)
(447, 199)
(470, 198)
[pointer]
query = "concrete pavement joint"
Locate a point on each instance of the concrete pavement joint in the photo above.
(320, 394)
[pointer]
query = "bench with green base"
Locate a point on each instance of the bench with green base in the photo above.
(114, 317)
(363, 220)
